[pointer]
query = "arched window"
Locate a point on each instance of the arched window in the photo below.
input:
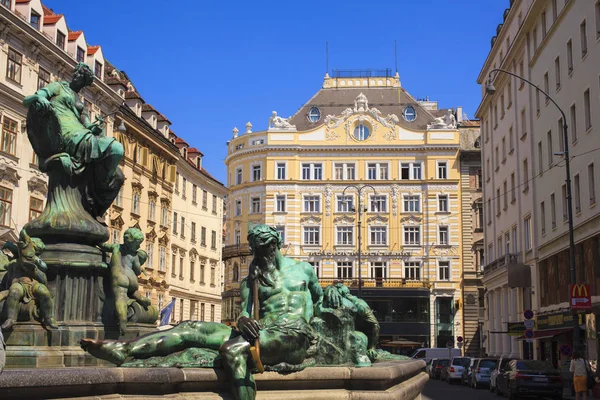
(236, 272)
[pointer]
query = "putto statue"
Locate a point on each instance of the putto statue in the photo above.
(448, 121)
(282, 327)
(25, 283)
(278, 123)
(125, 266)
(82, 162)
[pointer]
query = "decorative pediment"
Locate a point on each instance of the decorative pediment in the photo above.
(9, 173)
(445, 251)
(165, 201)
(36, 184)
(152, 194)
(182, 252)
(377, 220)
(137, 225)
(151, 236)
(411, 220)
(116, 222)
(310, 219)
(137, 186)
(174, 248)
(193, 255)
(344, 220)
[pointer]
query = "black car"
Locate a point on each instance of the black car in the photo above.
(529, 377)
(437, 366)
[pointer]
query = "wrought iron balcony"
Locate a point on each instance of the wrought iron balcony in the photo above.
(519, 274)
(376, 282)
(502, 262)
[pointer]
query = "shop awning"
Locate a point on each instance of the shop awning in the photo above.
(546, 333)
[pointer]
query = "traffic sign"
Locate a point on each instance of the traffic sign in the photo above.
(528, 334)
(529, 340)
(581, 297)
(529, 324)
(566, 350)
(449, 344)
(528, 314)
(459, 339)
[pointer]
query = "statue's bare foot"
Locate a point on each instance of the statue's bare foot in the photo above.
(107, 350)
(8, 324)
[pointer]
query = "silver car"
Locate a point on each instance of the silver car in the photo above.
(499, 366)
(482, 371)
(453, 372)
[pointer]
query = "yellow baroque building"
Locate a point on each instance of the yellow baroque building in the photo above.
(362, 152)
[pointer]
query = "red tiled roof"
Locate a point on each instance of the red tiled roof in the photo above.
(148, 107)
(91, 50)
(162, 118)
(193, 150)
(180, 141)
(22, 1)
(47, 11)
(52, 19)
(73, 35)
(133, 95)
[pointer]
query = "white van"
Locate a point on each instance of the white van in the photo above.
(427, 353)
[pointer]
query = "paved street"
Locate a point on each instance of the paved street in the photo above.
(438, 390)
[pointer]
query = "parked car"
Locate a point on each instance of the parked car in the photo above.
(428, 367)
(436, 368)
(453, 371)
(428, 353)
(482, 371)
(467, 372)
(529, 377)
(499, 366)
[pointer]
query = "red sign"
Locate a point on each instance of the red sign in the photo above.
(581, 297)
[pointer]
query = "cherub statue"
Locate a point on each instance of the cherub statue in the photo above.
(125, 266)
(25, 280)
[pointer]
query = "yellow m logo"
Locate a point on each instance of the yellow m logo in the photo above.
(579, 291)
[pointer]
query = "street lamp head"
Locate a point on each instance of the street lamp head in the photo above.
(122, 128)
(489, 87)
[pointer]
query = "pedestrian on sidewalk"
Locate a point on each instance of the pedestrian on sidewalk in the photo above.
(580, 375)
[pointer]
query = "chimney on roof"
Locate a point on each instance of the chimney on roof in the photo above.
(459, 114)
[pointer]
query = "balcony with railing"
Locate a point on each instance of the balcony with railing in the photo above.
(519, 274)
(375, 282)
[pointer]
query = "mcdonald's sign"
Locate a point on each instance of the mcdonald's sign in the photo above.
(581, 297)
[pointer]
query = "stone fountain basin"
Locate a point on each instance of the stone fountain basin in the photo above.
(387, 380)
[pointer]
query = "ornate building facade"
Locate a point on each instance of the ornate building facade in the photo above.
(302, 176)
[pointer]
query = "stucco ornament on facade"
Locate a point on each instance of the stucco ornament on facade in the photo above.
(395, 192)
(311, 220)
(344, 220)
(328, 195)
(377, 220)
(411, 220)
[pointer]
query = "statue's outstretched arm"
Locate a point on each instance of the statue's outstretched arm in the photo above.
(106, 247)
(43, 95)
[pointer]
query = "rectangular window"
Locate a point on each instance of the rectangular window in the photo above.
(443, 203)
(204, 199)
(554, 10)
(377, 171)
(237, 237)
(255, 205)
(182, 227)
(34, 20)
(212, 313)
(162, 261)
(238, 208)
(98, 69)
(513, 193)
(343, 171)
(479, 214)
(238, 176)
(316, 267)
(194, 194)
(500, 248)
(412, 270)
(9, 136)
(505, 195)
(181, 267)
(544, 26)
(149, 252)
(577, 194)
(543, 217)
(344, 203)
(151, 210)
(412, 235)
(43, 78)
(511, 141)
(537, 102)
(213, 240)
(280, 203)
(202, 314)
(175, 222)
(312, 203)
(573, 112)
(36, 206)
(444, 270)
(164, 218)
(583, 34)
(534, 35)
(411, 171)
(522, 73)
(281, 230)
(203, 236)
(215, 203)
(183, 188)
(550, 150)
(597, 19)
(540, 159)
(587, 109)
(193, 238)
(256, 173)
(412, 203)
(14, 65)
(523, 123)
(312, 235)
(60, 39)
(281, 171)
(344, 235)
(344, 269)
(442, 170)
(553, 210)
(546, 86)
(312, 171)
(509, 93)
(557, 71)
(489, 211)
(591, 184)
(561, 135)
(378, 203)
(80, 55)
(570, 56)
(136, 203)
(503, 150)
(498, 199)
(443, 238)
(202, 272)
(527, 227)
(378, 235)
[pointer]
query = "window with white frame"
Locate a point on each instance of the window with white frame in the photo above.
(238, 207)
(412, 203)
(312, 203)
(443, 238)
(238, 176)
(237, 237)
(255, 205)
(344, 235)
(377, 171)
(281, 230)
(378, 270)
(150, 253)
(280, 205)
(412, 270)
(444, 270)
(442, 169)
(256, 173)
(378, 203)
(162, 261)
(411, 171)
(311, 235)
(412, 235)
(281, 170)
(343, 269)
(378, 235)
(344, 171)
(312, 171)
(443, 203)
(136, 203)
(344, 203)
(316, 267)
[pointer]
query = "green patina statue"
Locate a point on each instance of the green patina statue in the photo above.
(25, 281)
(286, 325)
(126, 264)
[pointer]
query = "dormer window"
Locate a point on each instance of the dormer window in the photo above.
(80, 56)
(199, 162)
(34, 20)
(60, 39)
(98, 69)
(185, 153)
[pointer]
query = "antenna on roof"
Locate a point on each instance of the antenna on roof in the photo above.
(326, 57)
(395, 56)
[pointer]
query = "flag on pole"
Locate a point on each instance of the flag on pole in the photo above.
(165, 313)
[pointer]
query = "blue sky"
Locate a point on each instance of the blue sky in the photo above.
(209, 66)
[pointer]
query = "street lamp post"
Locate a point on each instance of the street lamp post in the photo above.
(490, 89)
(359, 189)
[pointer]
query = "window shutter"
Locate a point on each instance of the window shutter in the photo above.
(172, 173)
(144, 160)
